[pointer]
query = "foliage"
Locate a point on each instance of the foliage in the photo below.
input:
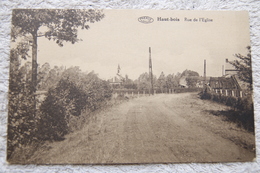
(74, 93)
(71, 92)
(243, 65)
(161, 82)
(192, 81)
(143, 82)
(238, 103)
(171, 81)
(21, 117)
(164, 82)
(60, 25)
(191, 77)
(129, 84)
(47, 77)
(66, 96)
(54, 24)
(243, 110)
(189, 73)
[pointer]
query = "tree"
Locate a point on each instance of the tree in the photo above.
(75, 92)
(191, 77)
(192, 81)
(171, 82)
(161, 82)
(189, 73)
(177, 78)
(54, 24)
(21, 122)
(244, 68)
(143, 81)
(129, 83)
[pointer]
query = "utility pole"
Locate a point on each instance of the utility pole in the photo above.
(151, 69)
(205, 70)
(204, 83)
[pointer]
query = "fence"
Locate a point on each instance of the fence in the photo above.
(139, 93)
(184, 90)
(229, 92)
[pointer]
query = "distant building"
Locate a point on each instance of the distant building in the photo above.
(115, 81)
(225, 82)
(199, 81)
(231, 75)
(183, 82)
(229, 69)
(118, 80)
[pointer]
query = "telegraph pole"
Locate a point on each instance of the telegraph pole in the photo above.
(204, 83)
(150, 69)
(204, 70)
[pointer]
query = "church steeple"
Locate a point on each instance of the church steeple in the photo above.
(118, 69)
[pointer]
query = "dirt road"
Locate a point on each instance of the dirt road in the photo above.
(155, 129)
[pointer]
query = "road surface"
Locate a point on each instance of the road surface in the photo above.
(154, 129)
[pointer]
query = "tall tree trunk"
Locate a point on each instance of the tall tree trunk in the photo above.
(34, 71)
(34, 63)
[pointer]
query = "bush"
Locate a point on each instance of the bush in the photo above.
(74, 93)
(21, 108)
(244, 103)
(243, 108)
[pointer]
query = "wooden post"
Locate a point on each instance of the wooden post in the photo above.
(233, 94)
(226, 93)
(204, 80)
(150, 70)
(241, 94)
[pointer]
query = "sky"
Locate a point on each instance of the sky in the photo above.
(120, 39)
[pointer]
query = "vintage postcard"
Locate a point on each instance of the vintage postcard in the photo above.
(130, 86)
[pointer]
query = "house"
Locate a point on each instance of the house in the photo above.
(199, 80)
(115, 81)
(225, 82)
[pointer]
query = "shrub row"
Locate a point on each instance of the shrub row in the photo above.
(238, 103)
(75, 92)
(243, 108)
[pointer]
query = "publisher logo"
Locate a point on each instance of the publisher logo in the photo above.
(145, 19)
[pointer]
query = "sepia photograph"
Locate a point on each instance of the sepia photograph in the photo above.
(91, 86)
